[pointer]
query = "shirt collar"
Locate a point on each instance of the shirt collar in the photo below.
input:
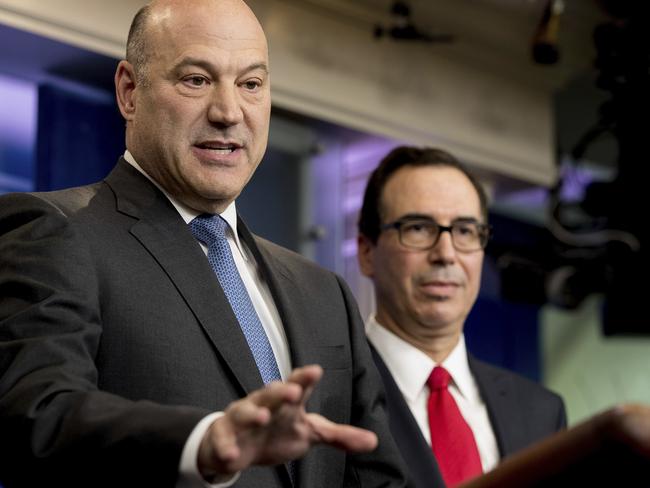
(458, 366)
(188, 214)
(411, 367)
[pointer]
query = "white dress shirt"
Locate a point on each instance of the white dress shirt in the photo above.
(264, 305)
(411, 368)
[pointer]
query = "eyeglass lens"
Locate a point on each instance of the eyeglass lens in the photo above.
(465, 235)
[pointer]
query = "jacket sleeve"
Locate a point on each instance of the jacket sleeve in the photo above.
(384, 466)
(57, 427)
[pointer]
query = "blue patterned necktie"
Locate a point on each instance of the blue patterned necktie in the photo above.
(211, 231)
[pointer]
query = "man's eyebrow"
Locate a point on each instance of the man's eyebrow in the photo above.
(255, 66)
(466, 219)
(415, 216)
(207, 66)
(418, 216)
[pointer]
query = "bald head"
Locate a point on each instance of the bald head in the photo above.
(156, 13)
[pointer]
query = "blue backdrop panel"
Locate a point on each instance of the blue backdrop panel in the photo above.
(270, 203)
(80, 135)
(505, 334)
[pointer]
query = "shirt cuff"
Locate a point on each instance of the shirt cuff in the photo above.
(188, 469)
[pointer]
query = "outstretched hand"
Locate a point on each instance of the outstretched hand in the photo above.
(271, 426)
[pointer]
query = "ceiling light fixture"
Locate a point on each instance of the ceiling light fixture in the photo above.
(403, 28)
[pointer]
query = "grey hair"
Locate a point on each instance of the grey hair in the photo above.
(137, 52)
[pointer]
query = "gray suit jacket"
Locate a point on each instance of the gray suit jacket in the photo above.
(116, 338)
(521, 412)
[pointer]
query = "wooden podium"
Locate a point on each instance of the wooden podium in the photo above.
(611, 449)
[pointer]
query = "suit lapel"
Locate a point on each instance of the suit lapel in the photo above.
(423, 468)
(497, 391)
(287, 295)
(161, 230)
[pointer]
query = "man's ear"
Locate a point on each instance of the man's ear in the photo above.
(125, 85)
(366, 255)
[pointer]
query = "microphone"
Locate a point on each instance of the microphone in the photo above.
(545, 41)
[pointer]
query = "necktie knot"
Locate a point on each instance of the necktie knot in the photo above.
(209, 228)
(439, 378)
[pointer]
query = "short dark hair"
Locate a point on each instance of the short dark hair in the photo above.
(137, 52)
(370, 218)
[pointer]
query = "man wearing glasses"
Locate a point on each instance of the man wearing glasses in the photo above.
(422, 231)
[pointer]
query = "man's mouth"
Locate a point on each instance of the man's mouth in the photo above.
(439, 288)
(441, 283)
(218, 147)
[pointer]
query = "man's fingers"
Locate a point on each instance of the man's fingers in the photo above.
(276, 394)
(346, 437)
(246, 414)
(307, 377)
(296, 390)
(219, 448)
(270, 426)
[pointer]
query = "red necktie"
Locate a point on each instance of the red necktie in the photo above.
(452, 440)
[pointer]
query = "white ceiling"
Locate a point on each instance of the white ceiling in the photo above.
(490, 34)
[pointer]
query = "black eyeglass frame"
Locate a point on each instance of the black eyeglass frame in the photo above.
(485, 232)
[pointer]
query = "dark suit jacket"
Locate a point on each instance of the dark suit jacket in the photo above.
(521, 412)
(116, 338)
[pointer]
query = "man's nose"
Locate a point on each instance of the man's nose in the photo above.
(443, 251)
(225, 106)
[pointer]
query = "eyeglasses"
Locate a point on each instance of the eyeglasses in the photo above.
(421, 234)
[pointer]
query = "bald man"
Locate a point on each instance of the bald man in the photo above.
(147, 338)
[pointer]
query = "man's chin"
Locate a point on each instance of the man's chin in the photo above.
(219, 189)
(437, 319)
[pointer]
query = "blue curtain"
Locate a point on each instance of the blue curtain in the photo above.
(80, 135)
(506, 334)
